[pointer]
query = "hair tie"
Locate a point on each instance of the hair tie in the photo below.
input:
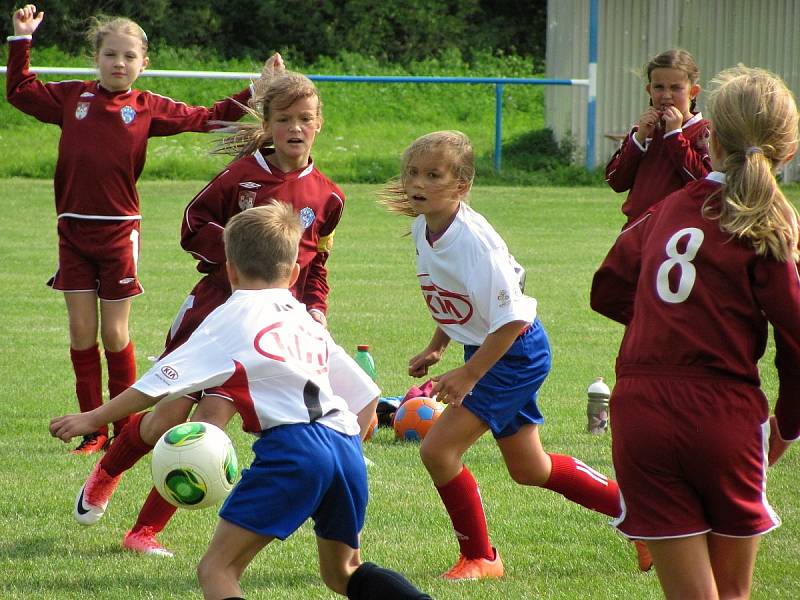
(753, 150)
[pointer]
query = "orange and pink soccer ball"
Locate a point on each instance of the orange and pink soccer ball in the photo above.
(415, 417)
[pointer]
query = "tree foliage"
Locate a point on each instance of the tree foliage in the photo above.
(398, 31)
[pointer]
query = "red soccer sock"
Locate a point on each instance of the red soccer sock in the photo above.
(155, 513)
(463, 503)
(580, 483)
(88, 379)
(121, 375)
(126, 449)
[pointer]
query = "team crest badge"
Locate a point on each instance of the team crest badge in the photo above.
(307, 217)
(247, 199)
(81, 110)
(128, 114)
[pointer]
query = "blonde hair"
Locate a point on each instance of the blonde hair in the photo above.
(461, 163)
(275, 91)
(754, 119)
(103, 25)
(262, 242)
(676, 58)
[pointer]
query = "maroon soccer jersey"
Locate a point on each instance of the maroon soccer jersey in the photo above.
(103, 134)
(669, 163)
(698, 302)
(252, 181)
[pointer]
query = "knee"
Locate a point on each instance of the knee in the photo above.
(431, 456)
(115, 337)
(527, 474)
(153, 425)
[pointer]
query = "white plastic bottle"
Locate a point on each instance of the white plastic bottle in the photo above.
(597, 406)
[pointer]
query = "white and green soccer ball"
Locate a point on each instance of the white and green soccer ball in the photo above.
(194, 465)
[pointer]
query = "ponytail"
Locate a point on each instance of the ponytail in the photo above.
(754, 119)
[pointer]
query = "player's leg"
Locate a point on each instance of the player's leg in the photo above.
(732, 561)
(684, 568)
(529, 464)
(156, 512)
(343, 572)
(231, 549)
(116, 254)
(442, 450)
(85, 356)
(118, 349)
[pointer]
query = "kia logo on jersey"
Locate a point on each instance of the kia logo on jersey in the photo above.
(293, 344)
(169, 372)
(448, 308)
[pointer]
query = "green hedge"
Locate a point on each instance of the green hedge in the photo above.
(396, 31)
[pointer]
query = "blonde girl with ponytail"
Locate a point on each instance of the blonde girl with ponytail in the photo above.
(698, 281)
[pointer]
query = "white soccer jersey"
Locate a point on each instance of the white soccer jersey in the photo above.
(469, 279)
(263, 351)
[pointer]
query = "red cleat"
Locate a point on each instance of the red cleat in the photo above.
(144, 541)
(94, 442)
(93, 497)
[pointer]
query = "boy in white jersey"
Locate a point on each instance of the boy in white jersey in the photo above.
(262, 355)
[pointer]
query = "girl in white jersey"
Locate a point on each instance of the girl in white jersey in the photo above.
(471, 285)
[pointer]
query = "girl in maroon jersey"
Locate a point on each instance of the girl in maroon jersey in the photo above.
(273, 162)
(668, 146)
(697, 281)
(105, 125)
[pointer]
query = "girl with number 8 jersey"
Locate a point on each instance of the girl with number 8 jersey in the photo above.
(697, 281)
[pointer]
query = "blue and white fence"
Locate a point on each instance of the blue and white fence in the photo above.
(497, 82)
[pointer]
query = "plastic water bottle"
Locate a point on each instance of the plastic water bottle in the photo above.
(365, 361)
(597, 406)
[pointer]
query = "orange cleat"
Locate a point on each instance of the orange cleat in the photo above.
(94, 442)
(144, 541)
(643, 555)
(475, 568)
(93, 497)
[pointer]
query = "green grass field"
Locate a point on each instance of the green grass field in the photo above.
(551, 548)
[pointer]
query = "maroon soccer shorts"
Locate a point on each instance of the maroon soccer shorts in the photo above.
(98, 256)
(690, 456)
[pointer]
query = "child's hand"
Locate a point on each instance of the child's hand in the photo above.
(418, 365)
(274, 64)
(648, 122)
(673, 118)
(777, 446)
(26, 20)
(69, 426)
(453, 386)
(319, 317)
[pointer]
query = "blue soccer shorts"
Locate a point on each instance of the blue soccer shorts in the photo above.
(302, 470)
(505, 398)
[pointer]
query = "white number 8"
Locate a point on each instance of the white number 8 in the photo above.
(682, 260)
